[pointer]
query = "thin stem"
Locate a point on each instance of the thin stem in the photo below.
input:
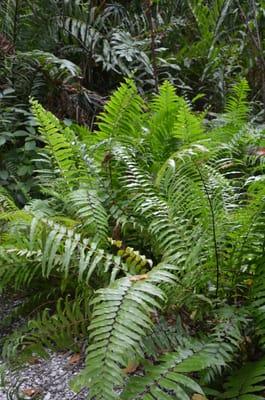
(213, 230)
(153, 41)
(15, 23)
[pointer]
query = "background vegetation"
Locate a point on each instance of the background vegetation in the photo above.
(71, 54)
(132, 195)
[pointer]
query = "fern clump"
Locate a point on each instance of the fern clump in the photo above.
(153, 214)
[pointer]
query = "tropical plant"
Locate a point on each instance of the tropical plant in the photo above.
(188, 195)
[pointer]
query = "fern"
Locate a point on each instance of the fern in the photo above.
(148, 187)
(247, 383)
(56, 68)
(110, 338)
(88, 207)
(166, 380)
(60, 145)
(164, 110)
(136, 262)
(61, 247)
(122, 115)
(62, 329)
(237, 108)
(188, 127)
(167, 376)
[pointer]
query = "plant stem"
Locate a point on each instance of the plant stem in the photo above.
(153, 41)
(213, 230)
(15, 23)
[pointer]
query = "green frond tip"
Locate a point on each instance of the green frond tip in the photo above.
(122, 114)
(87, 205)
(237, 106)
(120, 319)
(168, 380)
(188, 127)
(61, 146)
(247, 383)
(163, 114)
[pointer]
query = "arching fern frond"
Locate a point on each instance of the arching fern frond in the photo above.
(56, 330)
(236, 110)
(66, 249)
(87, 206)
(122, 114)
(188, 127)
(120, 319)
(247, 383)
(46, 247)
(61, 145)
(163, 114)
(167, 379)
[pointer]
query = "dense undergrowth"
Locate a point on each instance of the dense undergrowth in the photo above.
(133, 227)
(146, 245)
(71, 54)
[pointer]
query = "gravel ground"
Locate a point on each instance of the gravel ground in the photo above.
(45, 379)
(41, 379)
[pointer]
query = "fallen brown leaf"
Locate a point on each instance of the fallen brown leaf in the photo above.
(33, 360)
(131, 367)
(136, 278)
(31, 392)
(198, 397)
(74, 359)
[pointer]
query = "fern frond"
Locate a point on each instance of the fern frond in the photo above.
(167, 379)
(7, 204)
(65, 248)
(228, 335)
(247, 383)
(19, 267)
(56, 68)
(60, 144)
(122, 114)
(114, 331)
(54, 248)
(236, 109)
(188, 127)
(56, 330)
(87, 206)
(136, 262)
(164, 110)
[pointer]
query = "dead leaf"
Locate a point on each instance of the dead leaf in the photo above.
(136, 278)
(31, 392)
(33, 360)
(131, 367)
(74, 359)
(197, 396)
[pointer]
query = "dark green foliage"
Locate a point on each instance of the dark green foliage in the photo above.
(247, 383)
